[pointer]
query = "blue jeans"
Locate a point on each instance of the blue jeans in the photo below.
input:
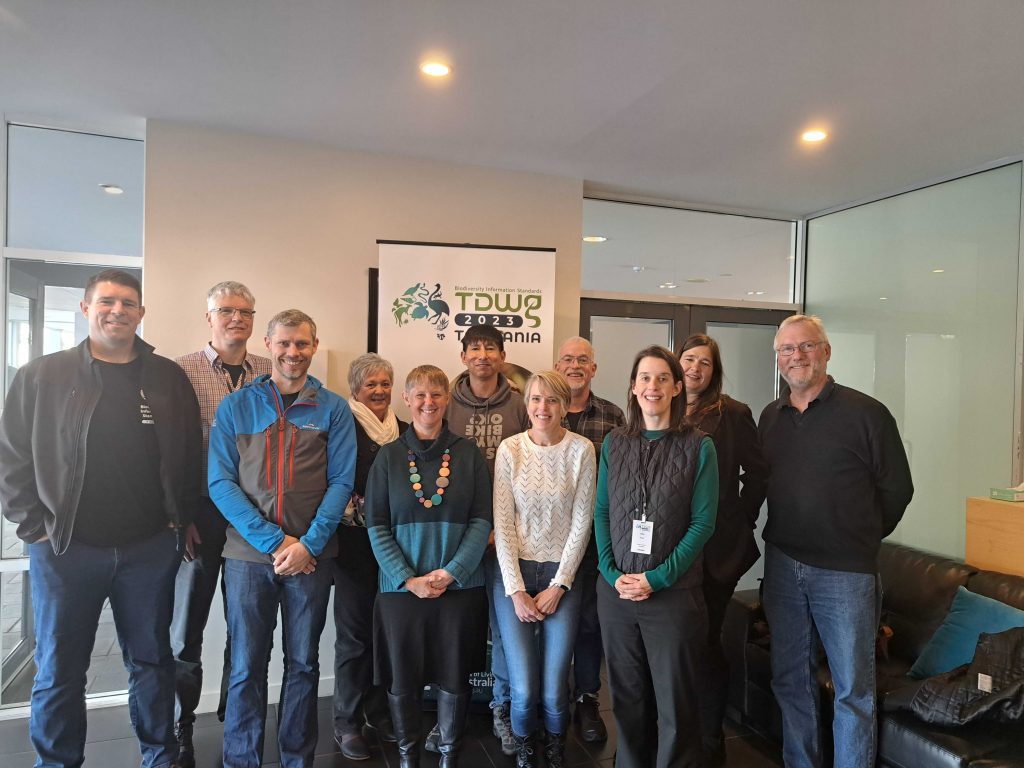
(68, 592)
(804, 603)
(254, 594)
(499, 667)
(538, 653)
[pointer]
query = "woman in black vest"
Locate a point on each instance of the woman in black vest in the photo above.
(657, 494)
(732, 549)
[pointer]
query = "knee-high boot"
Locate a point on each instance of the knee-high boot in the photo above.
(452, 709)
(406, 715)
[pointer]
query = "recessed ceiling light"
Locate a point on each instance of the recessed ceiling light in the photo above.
(594, 239)
(698, 280)
(938, 271)
(759, 293)
(750, 293)
(638, 268)
(883, 298)
(668, 285)
(435, 69)
(813, 136)
(112, 189)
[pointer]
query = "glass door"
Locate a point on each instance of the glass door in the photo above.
(43, 316)
(618, 329)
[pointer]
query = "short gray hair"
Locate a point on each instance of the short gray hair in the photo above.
(580, 339)
(228, 288)
(359, 370)
(290, 318)
(811, 319)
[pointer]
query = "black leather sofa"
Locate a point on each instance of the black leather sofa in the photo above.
(918, 590)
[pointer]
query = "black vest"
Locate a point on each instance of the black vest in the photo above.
(671, 468)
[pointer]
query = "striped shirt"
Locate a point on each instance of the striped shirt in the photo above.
(212, 384)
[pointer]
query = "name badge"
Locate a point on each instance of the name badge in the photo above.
(643, 533)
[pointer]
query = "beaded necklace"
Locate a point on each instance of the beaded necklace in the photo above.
(442, 480)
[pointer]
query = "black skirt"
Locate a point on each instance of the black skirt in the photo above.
(418, 641)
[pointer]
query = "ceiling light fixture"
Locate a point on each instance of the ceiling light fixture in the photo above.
(435, 69)
(938, 271)
(883, 298)
(814, 136)
(668, 285)
(638, 268)
(594, 239)
(112, 189)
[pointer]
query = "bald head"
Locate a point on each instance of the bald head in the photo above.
(576, 363)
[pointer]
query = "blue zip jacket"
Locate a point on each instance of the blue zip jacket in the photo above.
(276, 471)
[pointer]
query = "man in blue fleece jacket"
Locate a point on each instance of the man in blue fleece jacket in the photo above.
(282, 459)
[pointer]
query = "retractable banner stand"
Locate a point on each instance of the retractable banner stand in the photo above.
(430, 294)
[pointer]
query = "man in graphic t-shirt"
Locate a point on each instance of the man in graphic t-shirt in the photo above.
(100, 448)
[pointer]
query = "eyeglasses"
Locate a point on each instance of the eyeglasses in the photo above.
(787, 350)
(581, 360)
(245, 314)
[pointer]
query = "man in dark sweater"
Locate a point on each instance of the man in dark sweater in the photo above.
(839, 484)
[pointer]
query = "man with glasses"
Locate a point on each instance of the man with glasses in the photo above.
(593, 417)
(99, 469)
(221, 367)
(839, 484)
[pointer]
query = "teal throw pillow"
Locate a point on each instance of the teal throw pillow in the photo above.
(954, 642)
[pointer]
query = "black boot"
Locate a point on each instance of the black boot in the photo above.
(554, 749)
(452, 709)
(526, 751)
(186, 752)
(405, 714)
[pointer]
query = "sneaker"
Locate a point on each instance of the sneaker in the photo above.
(432, 739)
(503, 728)
(186, 752)
(588, 719)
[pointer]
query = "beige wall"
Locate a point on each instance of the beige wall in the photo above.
(298, 223)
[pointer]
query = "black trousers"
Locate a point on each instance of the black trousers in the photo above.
(715, 685)
(355, 588)
(194, 588)
(655, 648)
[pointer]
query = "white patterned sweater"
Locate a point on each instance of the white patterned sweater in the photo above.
(543, 505)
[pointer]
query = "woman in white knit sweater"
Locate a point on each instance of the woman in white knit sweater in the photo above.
(544, 482)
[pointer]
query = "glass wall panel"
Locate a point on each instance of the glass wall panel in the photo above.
(669, 252)
(919, 296)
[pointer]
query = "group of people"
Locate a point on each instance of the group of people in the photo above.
(548, 517)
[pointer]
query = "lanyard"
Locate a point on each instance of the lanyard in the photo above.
(646, 464)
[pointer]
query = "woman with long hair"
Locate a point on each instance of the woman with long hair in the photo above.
(657, 495)
(742, 484)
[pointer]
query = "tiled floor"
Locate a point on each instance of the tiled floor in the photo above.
(112, 745)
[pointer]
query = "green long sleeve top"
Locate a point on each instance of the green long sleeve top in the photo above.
(703, 509)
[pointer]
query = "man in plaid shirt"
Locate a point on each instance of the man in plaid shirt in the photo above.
(218, 369)
(593, 417)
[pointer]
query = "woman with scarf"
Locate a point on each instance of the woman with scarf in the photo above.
(356, 699)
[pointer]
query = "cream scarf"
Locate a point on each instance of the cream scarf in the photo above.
(381, 432)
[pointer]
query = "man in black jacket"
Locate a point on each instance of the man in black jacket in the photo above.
(839, 484)
(99, 467)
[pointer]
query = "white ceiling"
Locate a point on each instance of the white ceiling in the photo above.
(698, 102)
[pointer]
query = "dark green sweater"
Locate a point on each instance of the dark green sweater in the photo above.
(410, 540)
